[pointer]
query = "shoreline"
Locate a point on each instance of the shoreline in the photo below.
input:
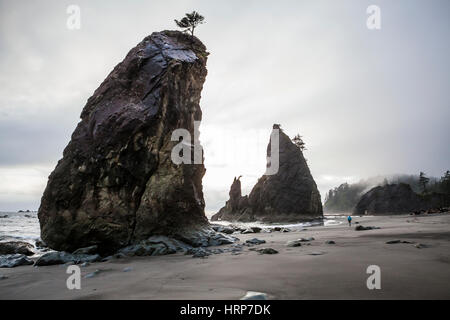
(337, 272)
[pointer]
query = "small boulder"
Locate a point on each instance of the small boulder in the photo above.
(362, 228)
(40, 244)
(255, 241)
(87, 250)
(267, 251)
(14, 260)
(316, 253)
(398, 241)
(13, 247)
(252, 295)
(52, 258)
(294, 243)
(199, 253)
(330, 242)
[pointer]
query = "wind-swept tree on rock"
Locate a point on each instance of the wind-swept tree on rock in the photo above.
(298, 141)
(190, 21)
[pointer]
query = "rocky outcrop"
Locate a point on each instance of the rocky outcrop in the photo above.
(13, 247)
(52, 258)
(398, 199)
(116, 183)
(289, 195)
(14, 260)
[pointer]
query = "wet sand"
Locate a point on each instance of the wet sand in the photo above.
(407, 272)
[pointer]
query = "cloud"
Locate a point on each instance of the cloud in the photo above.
(366, 102)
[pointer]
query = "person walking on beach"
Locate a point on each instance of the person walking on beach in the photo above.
(349, 218)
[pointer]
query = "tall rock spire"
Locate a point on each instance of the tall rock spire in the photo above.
(116, 182)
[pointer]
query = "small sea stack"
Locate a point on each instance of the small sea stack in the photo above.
(290, 194)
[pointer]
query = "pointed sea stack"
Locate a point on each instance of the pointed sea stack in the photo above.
(289, 195)
(116, 183)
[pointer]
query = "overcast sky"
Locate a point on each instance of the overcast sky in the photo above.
(367, 102)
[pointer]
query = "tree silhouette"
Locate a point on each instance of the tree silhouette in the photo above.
(190, 22)
(423, 181)
(298, 141)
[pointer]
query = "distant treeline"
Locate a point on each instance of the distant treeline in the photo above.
(345, 197)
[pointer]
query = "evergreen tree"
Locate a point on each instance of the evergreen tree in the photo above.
(423, 181)
(298, 141)
(190, 21)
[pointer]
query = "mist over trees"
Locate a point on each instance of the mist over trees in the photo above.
(345, 197)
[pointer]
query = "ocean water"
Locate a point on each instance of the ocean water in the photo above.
(332, 220)
(19, 226)
(25, 225)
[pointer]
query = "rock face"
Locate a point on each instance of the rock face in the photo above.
(398, 199)
(116, 183)
(14, 260)
(289, 195)
(14, 247)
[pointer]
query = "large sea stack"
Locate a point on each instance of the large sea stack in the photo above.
(289, 195)
(116, 183)
(398, 199)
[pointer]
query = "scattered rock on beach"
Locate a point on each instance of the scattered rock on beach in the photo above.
(147, 249)
(92, 274)
(330, 242)
(14, 260)
(362, 228)
(52, 258)
(223, 229)
(316, 253)
(255, 241)
(204, 238)
(13, 247)
(4, 216)
(199, 253)
(266, 251)
(256, 229)
(2, 277)
(294, 243)
(87, 250)
(398, 241)
(422, 246)
(40, 244)
(252, 295)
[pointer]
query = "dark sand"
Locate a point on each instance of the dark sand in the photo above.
(340, 273)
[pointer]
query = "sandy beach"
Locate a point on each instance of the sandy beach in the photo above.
(407, 272)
